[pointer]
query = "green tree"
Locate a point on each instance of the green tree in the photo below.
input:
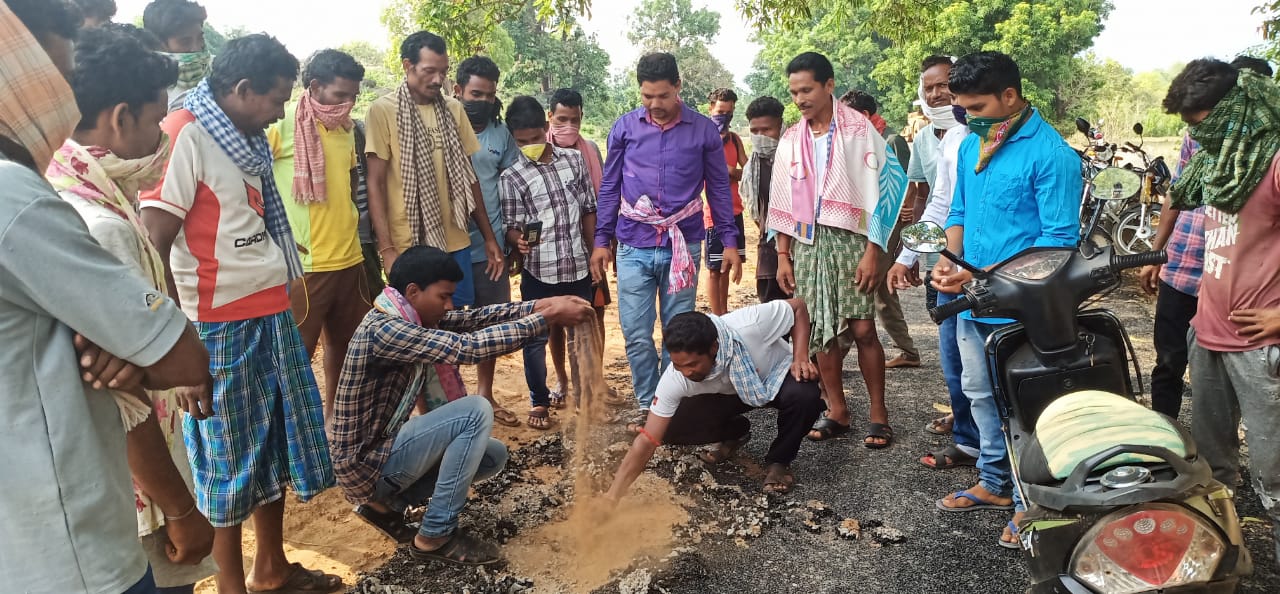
(548, 55)
(467, 26)
(381, 74)
(674, 26)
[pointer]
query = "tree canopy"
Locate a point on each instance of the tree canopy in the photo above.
(674, 26)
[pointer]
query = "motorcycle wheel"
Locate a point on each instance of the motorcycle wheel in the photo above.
(1133, 233)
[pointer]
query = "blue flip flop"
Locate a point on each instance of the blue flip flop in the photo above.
(978, 504)
(1015, 545)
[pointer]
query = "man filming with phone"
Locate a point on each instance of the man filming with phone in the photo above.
(549, 206)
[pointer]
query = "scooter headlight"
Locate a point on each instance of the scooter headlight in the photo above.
(1145, 548)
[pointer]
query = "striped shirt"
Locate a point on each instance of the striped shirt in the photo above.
(1186, 244)
(381, 362)
(558, 194)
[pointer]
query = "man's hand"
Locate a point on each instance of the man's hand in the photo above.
(901, 277)
(197, 400)
(868, 274)
(497, 265)
(600, 259)
(1149, 279)
(786, 274)
(565, 310)
(190, 539)
(949, 278)
(734, 261)
(389, 255)
(1259, 324)
(103, 370)
(804, 370)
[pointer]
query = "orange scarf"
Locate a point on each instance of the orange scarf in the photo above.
(37, 108)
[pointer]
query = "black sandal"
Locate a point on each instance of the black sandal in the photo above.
(390, 523)
(724, 450)
(881, 431)
(460, 549)
(828, 429)
(948, 458)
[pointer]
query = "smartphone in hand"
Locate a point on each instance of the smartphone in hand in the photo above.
(533, 232)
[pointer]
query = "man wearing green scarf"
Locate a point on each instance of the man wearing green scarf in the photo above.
(1235, 335)
(179, 25)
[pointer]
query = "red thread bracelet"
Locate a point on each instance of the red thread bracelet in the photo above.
(653, 441)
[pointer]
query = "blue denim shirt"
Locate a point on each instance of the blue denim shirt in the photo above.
(1027, 196)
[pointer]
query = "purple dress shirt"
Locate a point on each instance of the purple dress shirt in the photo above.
(671, 165)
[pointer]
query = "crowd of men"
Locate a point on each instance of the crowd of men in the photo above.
(230, 218)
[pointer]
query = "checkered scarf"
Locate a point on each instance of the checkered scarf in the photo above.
(37, 108)
(422, 199)
(734, 356)
(252, 154)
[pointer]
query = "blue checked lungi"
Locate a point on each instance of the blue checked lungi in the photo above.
(267, 427)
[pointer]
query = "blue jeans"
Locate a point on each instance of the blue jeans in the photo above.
(147, 585)
(993, 457)
(963, 430)
(465, 294)
(642, 281)
(535, 350)
(438, 456)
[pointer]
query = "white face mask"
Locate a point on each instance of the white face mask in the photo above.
(943, 118)
(764, 145)
(138, 175)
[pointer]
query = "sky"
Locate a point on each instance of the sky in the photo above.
(1140, 34)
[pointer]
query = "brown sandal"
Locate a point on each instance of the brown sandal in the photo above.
(723, 450)
(539, 418)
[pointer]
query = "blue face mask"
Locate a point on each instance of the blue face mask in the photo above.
(722, 121)
(961, 115)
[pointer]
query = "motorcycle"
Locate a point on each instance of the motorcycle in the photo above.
(1117, 499)
(1130, 224)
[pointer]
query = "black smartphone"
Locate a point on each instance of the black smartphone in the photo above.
(533, 232)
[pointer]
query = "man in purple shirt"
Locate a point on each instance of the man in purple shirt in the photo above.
(660, 158)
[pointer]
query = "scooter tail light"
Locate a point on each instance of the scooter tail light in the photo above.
(1149, 547)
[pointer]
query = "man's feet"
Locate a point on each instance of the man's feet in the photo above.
(941, 425)
(457, 548)
(387, 521)
(504, 417)
(778, 479)
(947, 458)
(637, 421)
(558, 400)
(879, 436)
(974, 499)
(299, 579)
(723, 450)
(1010, 537)
(828, 428)
(539, 418)
(903, 361)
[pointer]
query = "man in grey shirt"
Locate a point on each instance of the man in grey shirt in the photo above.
(70, 527)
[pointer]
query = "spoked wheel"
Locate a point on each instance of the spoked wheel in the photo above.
(1133, 232)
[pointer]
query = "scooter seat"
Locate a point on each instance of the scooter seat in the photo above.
(1080, 425)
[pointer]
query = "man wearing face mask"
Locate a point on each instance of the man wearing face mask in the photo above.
(1017, 186)
(117, 149)
(423, 188)
(314, 163)
(219, 222)
(722, 104)
(476, 85)
(179, 24)
(81, 539)
(764, 115)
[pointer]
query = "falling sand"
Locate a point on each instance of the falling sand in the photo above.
(578, 553)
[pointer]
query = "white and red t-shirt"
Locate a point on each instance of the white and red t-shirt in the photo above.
(224, 262)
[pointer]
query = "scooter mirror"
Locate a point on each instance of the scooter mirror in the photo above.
(1082, 125)
(1137, 128)
(1115, 183)
(925, 237)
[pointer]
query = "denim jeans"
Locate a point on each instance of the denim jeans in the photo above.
(147, 585)
(438, 456)
(535, 350)
(1224, 388)
(963, 430)
(187, 589)
(642, 281)
(464, 295)
(993, 456)
(1174, 310)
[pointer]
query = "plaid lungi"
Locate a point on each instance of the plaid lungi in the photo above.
(825, 274)
(267, 427)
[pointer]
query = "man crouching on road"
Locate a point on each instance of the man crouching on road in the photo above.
(405, 349)
(722, 367)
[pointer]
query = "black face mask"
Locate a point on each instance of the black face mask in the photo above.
(480, 112)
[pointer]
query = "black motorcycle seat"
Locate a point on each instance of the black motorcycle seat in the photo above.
(1078, 426)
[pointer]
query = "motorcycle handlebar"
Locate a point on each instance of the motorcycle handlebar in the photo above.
(1133, 147)
(950, 309)
(1138, 260)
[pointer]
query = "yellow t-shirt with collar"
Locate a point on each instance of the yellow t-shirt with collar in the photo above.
(384, 142)
(326, 232)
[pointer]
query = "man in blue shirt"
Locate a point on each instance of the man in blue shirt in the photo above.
(1018, 186)
(476, 86)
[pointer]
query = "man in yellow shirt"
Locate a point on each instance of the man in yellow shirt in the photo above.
(315, 169)
(422, 188)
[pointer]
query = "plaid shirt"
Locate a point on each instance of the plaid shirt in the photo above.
(1186, 244)
(381, 360)
(558, 193)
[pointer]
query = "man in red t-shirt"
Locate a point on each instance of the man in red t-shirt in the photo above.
(1235, 335)
(722, 103)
